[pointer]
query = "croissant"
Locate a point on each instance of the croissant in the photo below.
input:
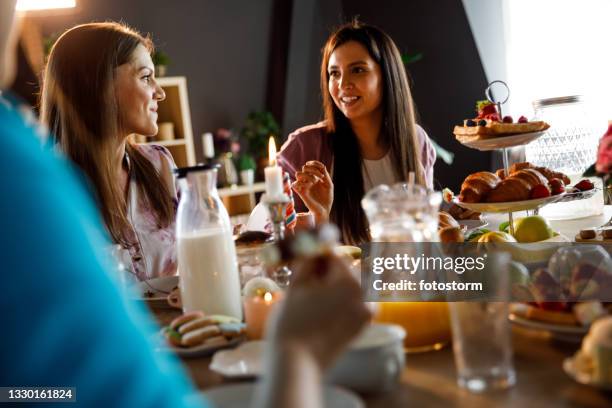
(509, 189)
(476, 186)
(531, 176)
(546, 172)
(551, 174)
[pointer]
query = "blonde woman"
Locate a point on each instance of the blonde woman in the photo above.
(99, 87)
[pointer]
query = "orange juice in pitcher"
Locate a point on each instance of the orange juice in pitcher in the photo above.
(427, 324)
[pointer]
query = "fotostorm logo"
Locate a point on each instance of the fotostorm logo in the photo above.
(413, 264)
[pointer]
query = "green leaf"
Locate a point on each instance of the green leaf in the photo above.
(446, 156)
(590, 172)
(482, 104)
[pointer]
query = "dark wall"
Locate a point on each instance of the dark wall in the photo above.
(220, 46)
(449, 79)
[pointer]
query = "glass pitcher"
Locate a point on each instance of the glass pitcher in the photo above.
(409, 213)
(208, 268)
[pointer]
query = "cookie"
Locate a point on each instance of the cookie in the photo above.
(198, 336)
(224, 319)
(232, 330)
(606, 233)
(196, 324)
(589, 233)
(216, 341)
(172, 337)
(187, 317)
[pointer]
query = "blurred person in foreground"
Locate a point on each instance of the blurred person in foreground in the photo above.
(65, 324)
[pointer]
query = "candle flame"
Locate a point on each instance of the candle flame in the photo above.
(268, 297)
(272, 151)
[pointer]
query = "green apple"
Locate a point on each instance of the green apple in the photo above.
(532, 229)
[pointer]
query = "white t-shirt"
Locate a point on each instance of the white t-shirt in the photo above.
(377, 172)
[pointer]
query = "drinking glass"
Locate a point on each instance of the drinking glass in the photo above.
(408, 213)
(481, 333)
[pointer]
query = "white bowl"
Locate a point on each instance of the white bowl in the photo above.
(374, 361)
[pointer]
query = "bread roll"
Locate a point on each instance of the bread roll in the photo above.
(450, 234)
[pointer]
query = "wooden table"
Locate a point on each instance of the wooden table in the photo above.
(429, 379)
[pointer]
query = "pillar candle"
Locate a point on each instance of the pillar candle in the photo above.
(273, 173)
(208, 145)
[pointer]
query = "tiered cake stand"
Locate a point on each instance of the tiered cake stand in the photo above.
(503, 143)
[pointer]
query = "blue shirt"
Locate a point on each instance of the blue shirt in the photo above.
(63, 321)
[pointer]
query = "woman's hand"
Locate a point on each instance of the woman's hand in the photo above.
(322, 312)
(315, 187)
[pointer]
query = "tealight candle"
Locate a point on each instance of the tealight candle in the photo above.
(273, 174)
(256, 311)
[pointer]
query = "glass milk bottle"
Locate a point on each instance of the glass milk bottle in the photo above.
(408, 213)
(207, 263)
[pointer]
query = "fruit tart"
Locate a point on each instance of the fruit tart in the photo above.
(488, 124)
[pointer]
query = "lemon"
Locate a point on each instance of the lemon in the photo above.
(532, 229)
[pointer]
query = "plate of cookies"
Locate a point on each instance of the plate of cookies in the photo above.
(195, 334)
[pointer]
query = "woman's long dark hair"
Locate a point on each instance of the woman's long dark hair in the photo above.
(79, 106)
(398, 132)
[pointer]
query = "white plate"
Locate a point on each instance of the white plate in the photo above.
(582, 377)
(567, 333)
(241, 395)
(500, 142)
(242, 362)
(511, 206)
(203, 350)
(155, 291)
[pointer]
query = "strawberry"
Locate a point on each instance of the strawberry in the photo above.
(492, 116)
(540, 191)
(522, 119)
(557, 186)
(584, 185)
(485, 108)
(507, 119)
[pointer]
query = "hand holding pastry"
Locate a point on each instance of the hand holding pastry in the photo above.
(315, 187)
(322, 312)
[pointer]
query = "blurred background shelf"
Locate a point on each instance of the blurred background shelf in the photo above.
(241, 199)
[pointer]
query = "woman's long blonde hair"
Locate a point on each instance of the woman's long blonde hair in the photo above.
(79, 105)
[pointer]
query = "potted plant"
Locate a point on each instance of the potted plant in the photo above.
(246, 167)
(258, 128)
(161, 62)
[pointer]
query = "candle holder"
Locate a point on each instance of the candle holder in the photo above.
(276, 206)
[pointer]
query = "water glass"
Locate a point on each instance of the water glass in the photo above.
(482, 341)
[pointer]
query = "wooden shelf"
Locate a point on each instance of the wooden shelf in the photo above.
(241, 190)
(241, 199)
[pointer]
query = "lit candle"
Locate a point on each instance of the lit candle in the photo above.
(209, 145)
(256, 311)
(273, 174)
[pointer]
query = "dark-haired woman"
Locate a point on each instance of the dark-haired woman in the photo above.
(369, 136)
(99, 87)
